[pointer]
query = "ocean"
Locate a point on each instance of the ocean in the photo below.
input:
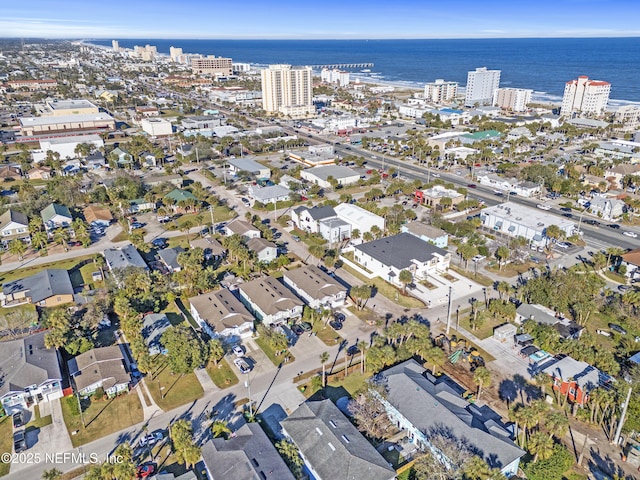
(541, 64)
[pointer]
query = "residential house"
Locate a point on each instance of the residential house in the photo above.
(308, 219)
(331, 447)
(573, 379)
(247, 455)
(524, 189)
(98, 216)
(174, 179)
(122, 158)
(617, 173)
(237, 165)
(39, 173)
(169, 257)
(270, 301)
(56, 216)
(265, 250)
(148, 159)
(272, 194)
(95, 161)
(140, 205)
(121, 259)
(315, 287)
(568, 329)
(30, 373)
(436, 408)
(387, 257)
(9, 171)
(428, 233)
(181, 201)
(631, 261)
(221, 314)
(48, 288)
(433, 197)
(335, 230)
(607, 208)
(14, 225)
(359, 218)
(100, 368)
(242, 228)
(213, 250)
(324, 175)
(153, 326)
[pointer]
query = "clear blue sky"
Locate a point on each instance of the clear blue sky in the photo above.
(319, 19)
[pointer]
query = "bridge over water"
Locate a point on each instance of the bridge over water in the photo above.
(344, 65)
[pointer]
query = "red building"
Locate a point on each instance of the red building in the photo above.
(574, 379)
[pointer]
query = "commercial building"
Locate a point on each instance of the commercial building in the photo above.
(30, 373)
(212, 65)
(524, 189)
(331, 447)
(334, 75)
(315, 155)
(481, 84)
(258, 170)
(359, 218)
(323, 175)
(221, 315)
(66, 146)
(156, 127)
(315, 287)
(388, 256)
(585, 96)
(59, 108)
(512, 99)
(66, 125)
(33, 85)
(440, 91)
(288, 90)
(433, 197)
(517, 220)
(435, 408)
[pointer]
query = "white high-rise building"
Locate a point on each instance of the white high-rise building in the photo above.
(175, 53)
(513, 99)
(334, 76)
(440, 91)
(288, 90)
(585, 96)
(481, 83)
(116, 45)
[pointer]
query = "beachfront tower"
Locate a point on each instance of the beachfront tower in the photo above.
(585, 96)
(481, 84)
(288, 90)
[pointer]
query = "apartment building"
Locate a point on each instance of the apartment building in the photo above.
(288, 90)
(481, 84)
(512, 99)
(440, 91)
(629, 117)
(334, 75)
(212, 65)
(585, 96)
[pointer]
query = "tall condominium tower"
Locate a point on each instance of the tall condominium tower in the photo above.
(481, 84)
(585, 96)
(287, 90)
(513, 99)
(440, 91)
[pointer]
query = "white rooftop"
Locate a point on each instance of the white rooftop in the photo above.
(89, 117)
(74, 139)
(353, 213)
(70, 104)
(527, 216)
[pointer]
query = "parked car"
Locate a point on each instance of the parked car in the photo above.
(150, 439)
(160, 243)
(335, 324)
(630, 234)
(136, 225)
(242, 365)
(297, 329)
(565, 209)
(295, 238)
(543, 206)
(615, 226)
(604, 333)
(472, 185)
(19, 441)
(339, 316)
(617, 328)
(513, 194)
(592, 222)
(306, 326)
(145, 470)
(238, 350)
(353, 350)
(18, 420)
(562, 245)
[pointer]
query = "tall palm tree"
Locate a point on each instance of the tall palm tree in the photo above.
(39, 239)
(482, 378)
(60, 237)
(17, 247)
(220, 428)
(556, 424)
(541, 446)
(324, 356)
(362, 345)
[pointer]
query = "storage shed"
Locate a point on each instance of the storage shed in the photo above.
(505, 332)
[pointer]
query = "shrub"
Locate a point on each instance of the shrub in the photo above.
(72, 405)
(552, 468)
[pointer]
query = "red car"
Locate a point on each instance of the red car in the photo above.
(145, 470)
(369, 172)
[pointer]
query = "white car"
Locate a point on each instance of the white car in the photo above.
(542, 206)
(150, 439)
(630, 234)
(238, 350)
(242, 365)
(435, 175)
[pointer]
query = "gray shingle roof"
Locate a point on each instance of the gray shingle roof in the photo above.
(13, 216)
(153, 326)
(170, 256)
(240, 227)
(124, 257)
(314, 282)
(41, 285)
(270, 295)
(26, 362)
(247, 456)
(221, 310)
(259, 244)
(586, 376)
(332, 446)
(435, 403)
(399, 250)
(105, 363)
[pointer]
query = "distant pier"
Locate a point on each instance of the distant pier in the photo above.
(344, 65)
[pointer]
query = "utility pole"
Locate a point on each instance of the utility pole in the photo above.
(616, 439)
(197, 156)
(247, 384)
(449, 312)
(211, 212)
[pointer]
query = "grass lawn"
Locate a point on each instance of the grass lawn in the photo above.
(485, 331)
(479, 278)
(327, 334)
(102, 417)
(354, 383)
(616, 277)
(38, 421)
(177, 390)
(27, 271)
(269, 352)
(222, 374)
(510, 269)
(386, 289)
(121, 237)
(366, 315)
(310, 239)
(6, 442)
(86, 271)
(20, 316)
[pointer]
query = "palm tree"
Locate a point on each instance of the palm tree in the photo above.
(475, 468)
(436, 357)
(17, 247)
(52, 474)
(362, 345)
(220, 428)
(324, 356)
(556, 424)
(482, 378)
(35, 225)
(317, 251)
(541, 446)
(60, 237)
(405, 277)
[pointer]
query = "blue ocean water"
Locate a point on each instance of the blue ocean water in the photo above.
(542, 64)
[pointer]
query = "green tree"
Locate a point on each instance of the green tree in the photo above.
(184, 448)
(220, 428)
(289, 453)
(39, 239)
(435, 357)
(185, 351)
(502, 254)
(482, 378)
(53, 474)
(17, 247)
(405, 277)
(554, 232)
